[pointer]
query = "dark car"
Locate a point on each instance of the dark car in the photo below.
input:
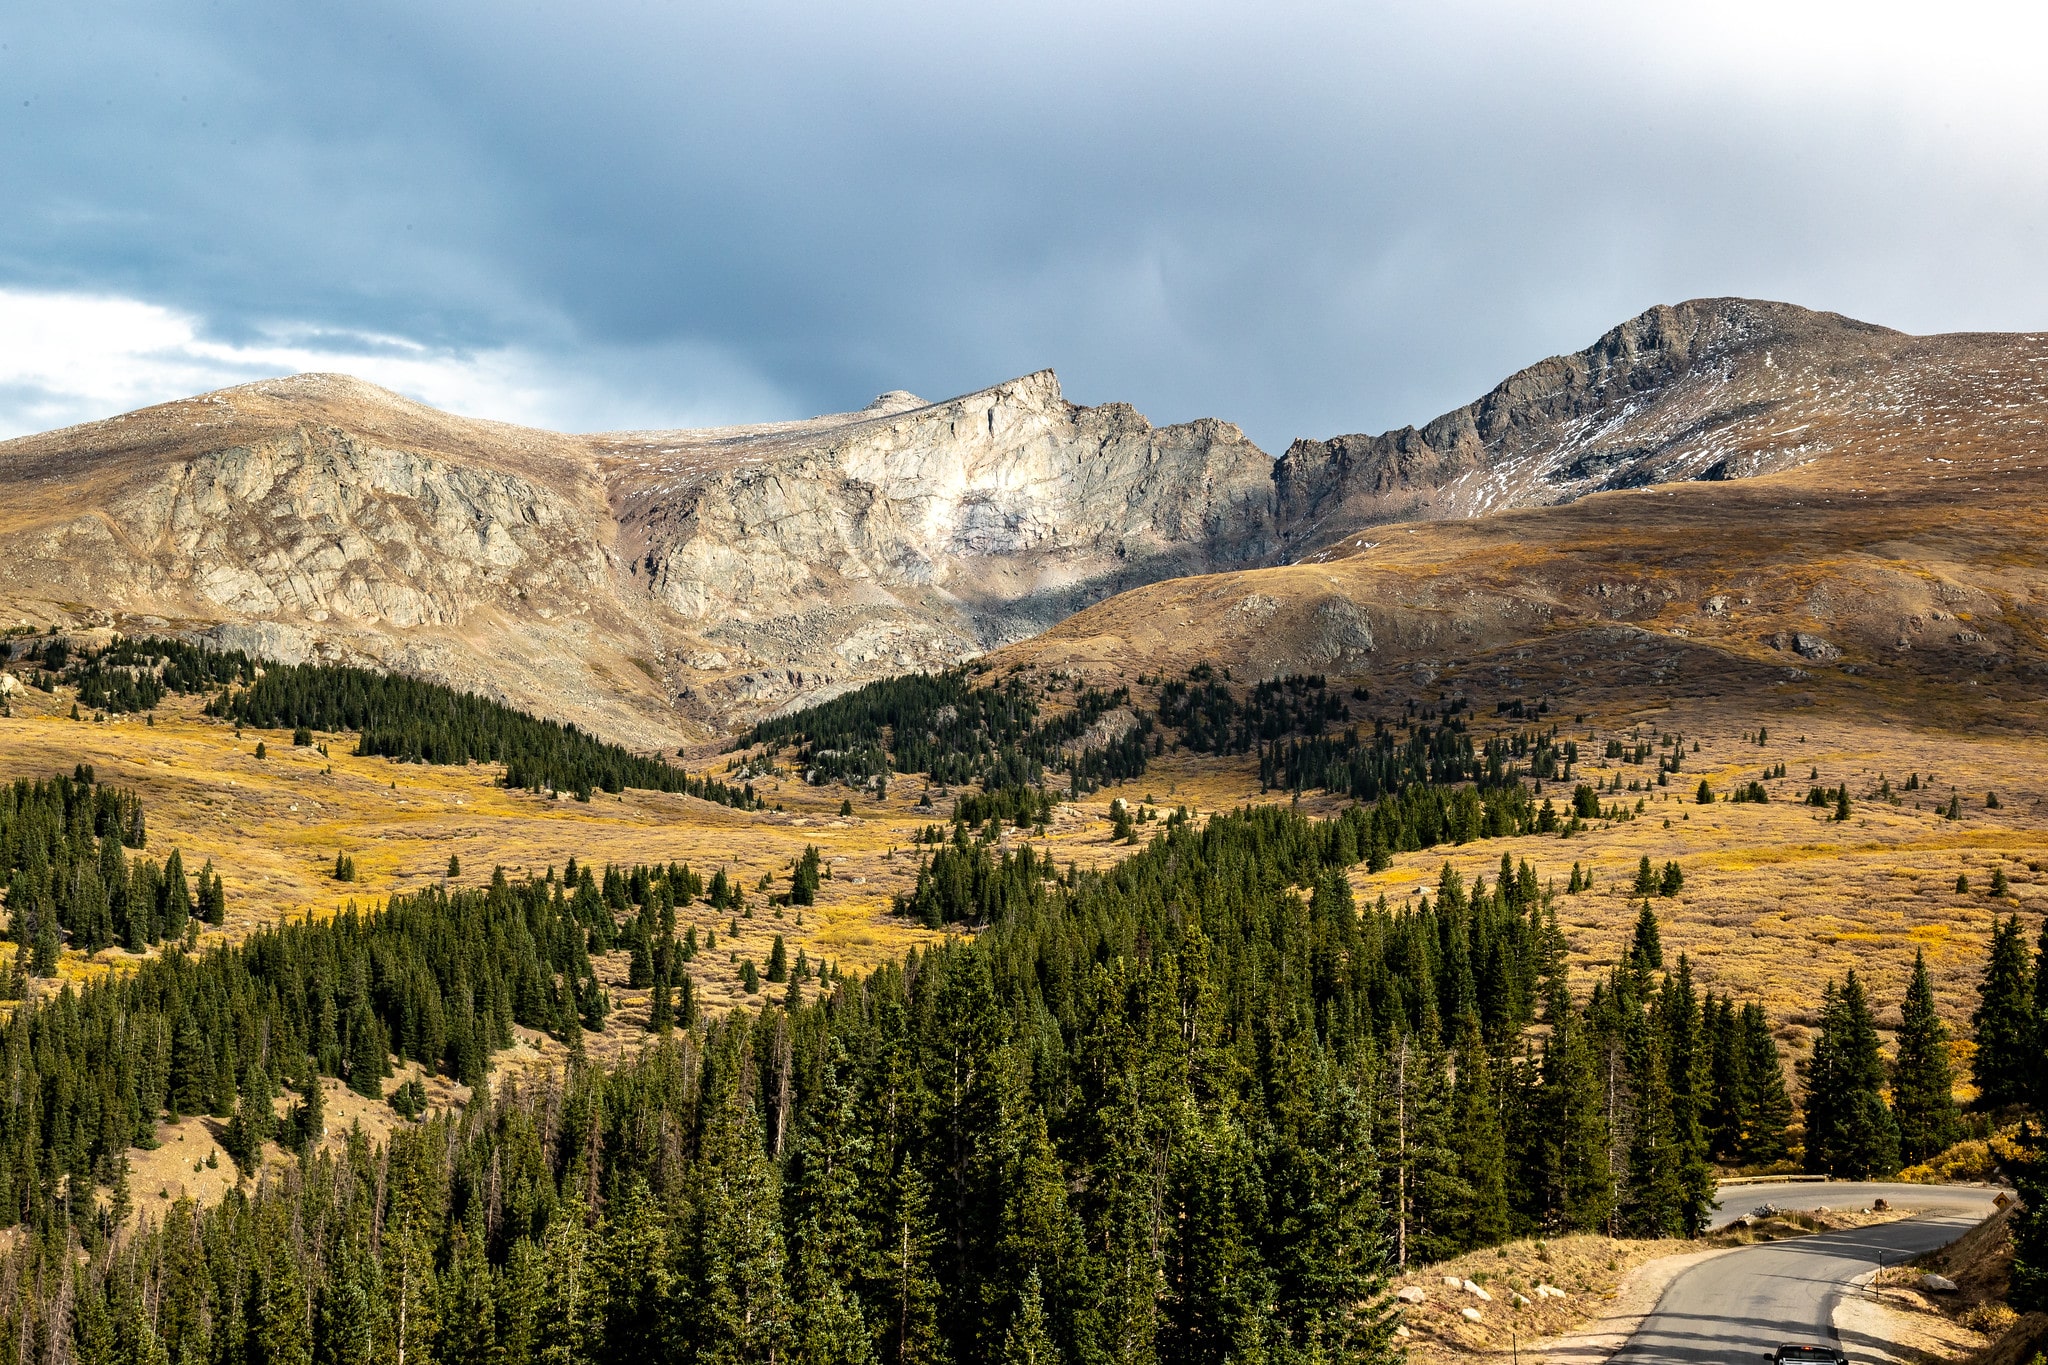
(1800, 1353)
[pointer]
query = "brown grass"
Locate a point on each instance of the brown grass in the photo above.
(1778, 897)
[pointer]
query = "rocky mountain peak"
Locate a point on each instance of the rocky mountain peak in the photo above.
(1681, 391)
(646, 582)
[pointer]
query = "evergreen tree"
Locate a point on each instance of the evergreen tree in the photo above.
(632, 1280)
(1647, 949)
(910, 1290)
(1573, 1171)
(1688, 1079)
(2004, 1021)
(1654, 1201)
(740, 1308)
(2029, 1291)
(1923, 1089)
(1850, 1131)
(1478, 1150)
(1766, 1106)
(1028, 1342)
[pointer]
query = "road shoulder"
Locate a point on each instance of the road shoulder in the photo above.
(1896, 1325)
(1633, 1300)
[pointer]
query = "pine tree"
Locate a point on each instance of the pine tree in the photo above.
(910, 1291)
(369, 1060)
(1653, 1202)
(250, 1126)
(740, 1308)
(632, 1279)
(309, 1116)
(2004, 1021)
(1028, 1342)
(1766, 1105)
(1574, 1174)
(1688, 1079)
(1647, 949)
(2029, 1292)
(660, 1011)
(1479, 1151)
(1923, 1090)
(1850, 1131)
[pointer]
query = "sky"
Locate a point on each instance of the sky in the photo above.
(1306, 218)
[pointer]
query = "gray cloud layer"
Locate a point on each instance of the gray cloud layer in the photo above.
(1306, 218)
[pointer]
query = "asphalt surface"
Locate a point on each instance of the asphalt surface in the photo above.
(1741, 1306)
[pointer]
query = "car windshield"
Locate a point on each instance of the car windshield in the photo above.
(1826, 1353)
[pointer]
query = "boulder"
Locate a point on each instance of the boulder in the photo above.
(1938, 1284)
(1476, 1292)
(1410, 1294)
(1470, 1315)
(1814, 647)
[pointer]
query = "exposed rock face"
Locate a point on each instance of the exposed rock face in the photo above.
(911, 536)
(653, 584)
(635, 582)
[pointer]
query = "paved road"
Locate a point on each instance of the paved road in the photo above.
(1739, 1307)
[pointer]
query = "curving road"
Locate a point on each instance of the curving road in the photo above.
(1739, 1307)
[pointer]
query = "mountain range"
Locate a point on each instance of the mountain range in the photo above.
(1791, 491)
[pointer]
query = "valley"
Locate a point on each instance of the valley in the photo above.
(1057, 868)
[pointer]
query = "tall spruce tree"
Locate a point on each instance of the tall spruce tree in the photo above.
(2004, 1021)
(1573, 1176)
(1647, 948)
(1850, 1132)
(1923, 1086)
(1689, 1081)
(1479, 1150)
(1766, 1105)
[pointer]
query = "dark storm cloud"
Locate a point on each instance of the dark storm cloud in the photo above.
(1308, 219)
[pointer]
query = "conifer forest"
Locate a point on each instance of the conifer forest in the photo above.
(1198, 1105)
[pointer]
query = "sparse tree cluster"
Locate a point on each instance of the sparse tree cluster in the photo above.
(70, 878)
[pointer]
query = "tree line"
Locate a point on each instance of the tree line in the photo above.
(421, 722)
(1212, 720)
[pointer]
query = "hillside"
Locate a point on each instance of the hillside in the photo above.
(1710, 390)
(663, 586)
(644, 584)
(1912, 581)
(1878, 610)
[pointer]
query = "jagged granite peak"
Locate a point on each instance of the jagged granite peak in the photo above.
(943, 528)
(1683, 391)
